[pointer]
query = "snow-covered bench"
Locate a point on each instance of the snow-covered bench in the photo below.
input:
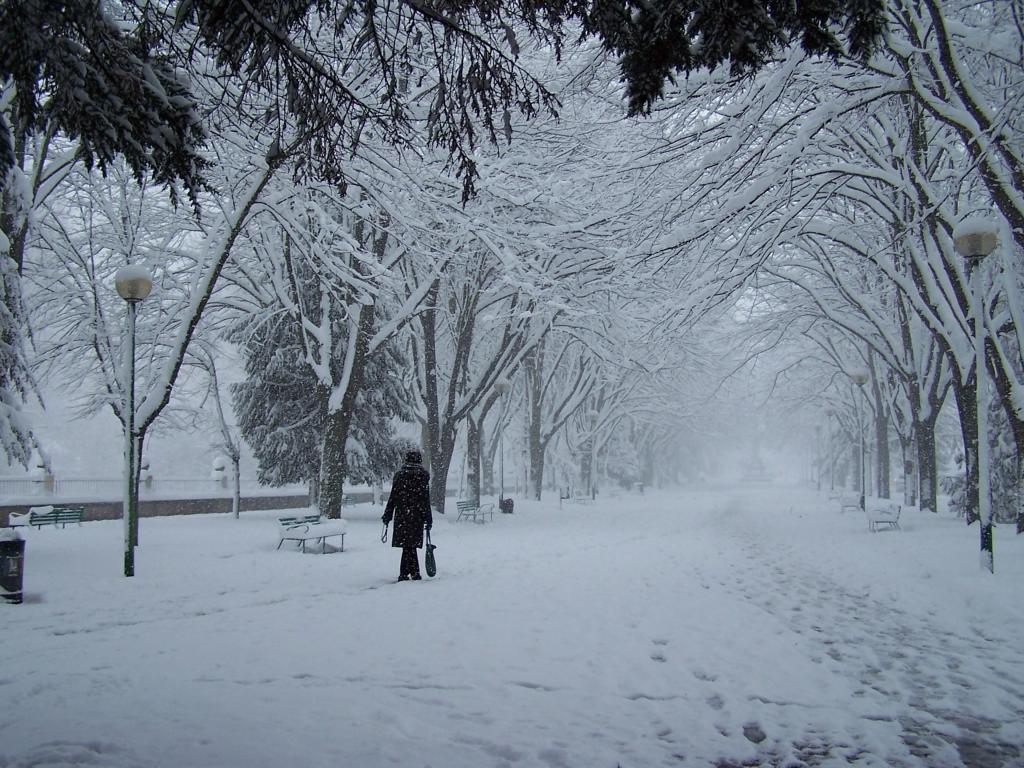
(47, 515)
(303, 528)
(576, 496)
(849, 501)
(471, 510)
(883, 514)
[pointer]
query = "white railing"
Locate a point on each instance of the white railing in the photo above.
(14, 490)
(23, 487)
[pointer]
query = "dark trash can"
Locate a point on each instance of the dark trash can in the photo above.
(12, 568)
(505, 505)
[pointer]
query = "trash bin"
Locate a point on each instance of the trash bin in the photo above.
(12, 562)
(505, 505)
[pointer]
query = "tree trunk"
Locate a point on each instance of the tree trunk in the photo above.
(967, 406)
(332, 463)
(1004, 387)
(647, 465)
(533, 367)
(587, 467)
(440, 464)
(859, 474)
(883, 467)
(473, 459)
(339, 422)
(536, 471)
(910, 478)
(236, 483)
(923, 441)
(490, 448)
(927, 464)
(909, 472)
(1020, 492)
(432, 423)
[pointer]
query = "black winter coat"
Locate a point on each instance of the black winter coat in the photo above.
(409, 505)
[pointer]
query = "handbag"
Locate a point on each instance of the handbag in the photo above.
(431, 563)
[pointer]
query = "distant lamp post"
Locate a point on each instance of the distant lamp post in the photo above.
(975, 238)
(860, 378)
(501, 386)
(133, 283)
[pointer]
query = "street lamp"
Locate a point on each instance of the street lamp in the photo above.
(133, 283)
(501, 386)
(975, 238)
(860, 378)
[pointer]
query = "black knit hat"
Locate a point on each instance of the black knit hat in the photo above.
(413, 457)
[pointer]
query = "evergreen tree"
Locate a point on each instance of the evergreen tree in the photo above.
(281, 409)
(74, 69)
(379, 406)
(659, 39)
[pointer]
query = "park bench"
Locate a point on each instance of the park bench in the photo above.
(849, 501)
(303, 528)
(471, 510)
(48, 515)
(883, 514)
(571, 495)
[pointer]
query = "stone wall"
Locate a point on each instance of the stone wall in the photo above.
(112, 510)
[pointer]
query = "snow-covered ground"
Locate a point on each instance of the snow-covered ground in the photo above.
(714, 627)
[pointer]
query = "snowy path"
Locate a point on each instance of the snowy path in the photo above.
(753, 627)
(935, 683)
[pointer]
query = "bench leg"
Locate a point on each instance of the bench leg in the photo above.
(876, 525)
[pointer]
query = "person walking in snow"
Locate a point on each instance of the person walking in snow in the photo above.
(409, 506)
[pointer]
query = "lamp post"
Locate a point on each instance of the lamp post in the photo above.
(975, 238)
(501, 386)
(133, 283)
(860, 378)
